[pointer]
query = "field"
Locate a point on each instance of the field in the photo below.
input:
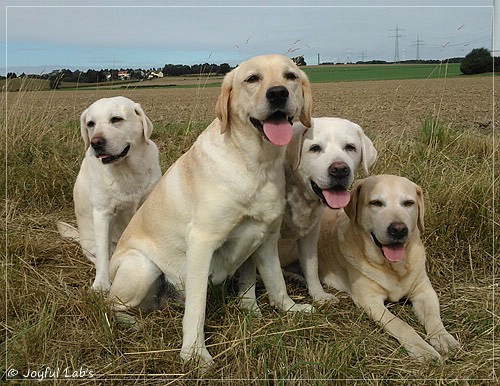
(317, 74)
(437, 132)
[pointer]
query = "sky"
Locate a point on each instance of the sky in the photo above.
(44, 35)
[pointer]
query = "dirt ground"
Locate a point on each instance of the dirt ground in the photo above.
(393, 107)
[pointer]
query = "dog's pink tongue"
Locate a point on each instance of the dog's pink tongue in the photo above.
(279, 133)
(394, 253)
(336, 199)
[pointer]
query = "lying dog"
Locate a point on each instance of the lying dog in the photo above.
(373, 252)
(220, 203)
(120, 169)
(322, 162)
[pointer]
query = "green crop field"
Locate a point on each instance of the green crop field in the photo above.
(342, 73)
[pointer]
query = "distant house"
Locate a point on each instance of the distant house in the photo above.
(123, 75)
(155, 74)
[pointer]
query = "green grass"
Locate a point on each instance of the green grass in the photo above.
(52, 319)
(343, 73)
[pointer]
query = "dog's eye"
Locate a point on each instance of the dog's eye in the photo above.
(376, 203)
(90, 124)
(252, 78)
(116, 119)
(408, 203)
(291, 76)
(350, 147)
(315, 148)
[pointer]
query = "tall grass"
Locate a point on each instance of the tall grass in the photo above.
(52, 319)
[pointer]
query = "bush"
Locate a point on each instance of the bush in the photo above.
(478, 61)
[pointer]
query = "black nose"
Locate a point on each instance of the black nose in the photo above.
(397, 230)
(98, 143)
(339, 170)
(277, 95)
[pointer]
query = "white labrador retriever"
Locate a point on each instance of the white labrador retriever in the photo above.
(120, 169)
(220, 203)
(373, 251)
(322, 162)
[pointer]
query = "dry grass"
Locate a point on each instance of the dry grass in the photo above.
(54, 322)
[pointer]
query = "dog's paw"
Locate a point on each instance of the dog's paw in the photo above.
(197, 355)
(301, 308)
(127, 320)
(324, 297)
(101, 285)
(444, 342)
(424, 353)
(250, 305)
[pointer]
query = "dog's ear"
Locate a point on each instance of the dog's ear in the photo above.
(368, 152)
(147, 125)
(83, 129)
(306, 112)
(420, 203)
(223, 101)
(294, 148)
(352, 208)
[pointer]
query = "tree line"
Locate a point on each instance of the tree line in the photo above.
(56, 77)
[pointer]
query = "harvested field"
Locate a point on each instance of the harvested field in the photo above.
(437, 132)
(394, 105)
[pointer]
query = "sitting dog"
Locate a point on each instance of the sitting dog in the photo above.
(373, 251)
(322, 162)
(120, 168)
(220, 203)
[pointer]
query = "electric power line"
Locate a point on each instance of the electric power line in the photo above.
(417, 43)
(397, 35)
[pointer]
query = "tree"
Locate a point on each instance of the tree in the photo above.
(478, 61)
(299, 60)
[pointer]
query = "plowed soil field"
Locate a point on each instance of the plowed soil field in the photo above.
(395, 106)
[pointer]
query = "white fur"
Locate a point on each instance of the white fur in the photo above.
(107, 195)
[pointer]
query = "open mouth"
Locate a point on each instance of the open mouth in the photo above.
(393, 252)
(277, 128)
(336, 197)
(108, 159)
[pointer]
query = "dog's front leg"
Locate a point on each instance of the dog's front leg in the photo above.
(103, 223)
(268, 264)
(426, 306)
(308, 257)
(198, 259)
(373, 304)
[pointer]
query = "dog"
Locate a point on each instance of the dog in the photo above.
(120, 168)
(321, 164)
(373, 251)
(219, 204)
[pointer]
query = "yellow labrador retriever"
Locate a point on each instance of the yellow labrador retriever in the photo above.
(321, 164)
(373, 251)
(220, 203)
(120, 169)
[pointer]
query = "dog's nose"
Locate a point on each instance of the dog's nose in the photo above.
(277, 95)
(339, 170)
(98, 143)
(397, 230)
